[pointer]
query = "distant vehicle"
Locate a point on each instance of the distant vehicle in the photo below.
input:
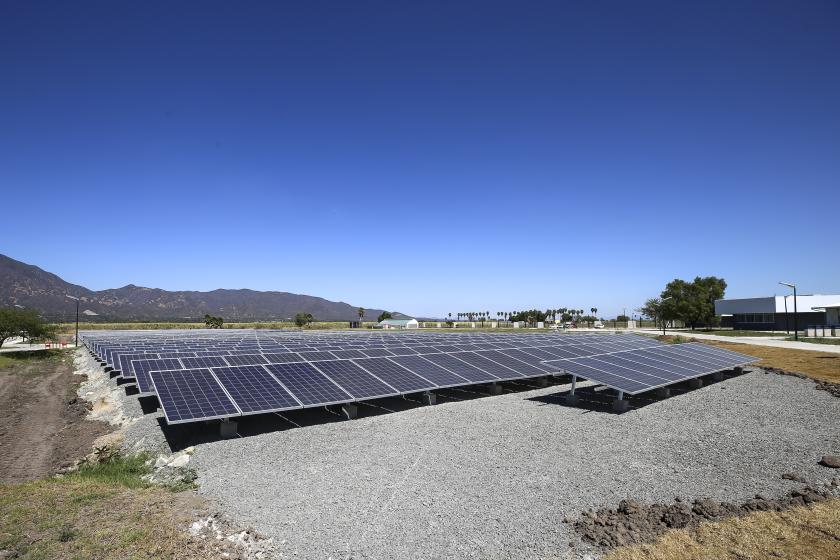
(598, 325)
(568, 325)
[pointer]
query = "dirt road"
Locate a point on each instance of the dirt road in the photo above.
(44, 426)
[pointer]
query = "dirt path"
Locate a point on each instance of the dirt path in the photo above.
(44, 426)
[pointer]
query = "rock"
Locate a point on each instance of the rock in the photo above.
(794, 477)
(189, 450)
(179, 461)
(161, 462)
(831, 461)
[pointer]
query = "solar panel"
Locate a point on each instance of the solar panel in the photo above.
(191, 394)
(283, 357)
(636, 371)
(253, 389)
(376, 352)
(348, 354)
(203, 362)
(428, 370)
(353, 379)
(307, 384)
(142, 368)
(245, 359)
(518, 361)
(315, 356)
(489, 365)
(125, 362)
(395, 375)
(458, 367)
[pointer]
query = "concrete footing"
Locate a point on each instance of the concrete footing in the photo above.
(108, 369)
(738, 370)
(571, 399)
(542, 381)
(227, 429)
(620, 405)
(494, 389)
(429, 399)
(695, 383)
(350, 411)
(663, 392)
(717, 376)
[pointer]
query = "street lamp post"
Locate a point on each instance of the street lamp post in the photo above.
(660, 312)
(795, 318)
(77, 319)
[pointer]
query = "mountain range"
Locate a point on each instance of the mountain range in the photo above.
(31, 287)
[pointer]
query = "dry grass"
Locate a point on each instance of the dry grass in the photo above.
(811, 533)
(85, 518)
(819, 365)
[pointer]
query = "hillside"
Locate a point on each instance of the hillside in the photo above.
(29, 286)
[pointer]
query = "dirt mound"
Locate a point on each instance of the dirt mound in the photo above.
(831, 388)
(633, 522)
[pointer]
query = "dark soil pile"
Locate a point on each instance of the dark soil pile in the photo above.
(633, 522)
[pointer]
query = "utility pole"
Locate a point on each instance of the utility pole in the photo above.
(795, 318)
(77, 319)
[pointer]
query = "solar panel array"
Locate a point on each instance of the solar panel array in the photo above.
(202, 375)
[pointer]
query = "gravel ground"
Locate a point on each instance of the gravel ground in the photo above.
(495, 477)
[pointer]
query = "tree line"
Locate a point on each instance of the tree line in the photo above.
(561, 314)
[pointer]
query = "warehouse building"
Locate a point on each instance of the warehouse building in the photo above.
(775, 313)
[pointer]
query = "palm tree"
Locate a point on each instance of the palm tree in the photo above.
(361, 312)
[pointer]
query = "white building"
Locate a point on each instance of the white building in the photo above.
(775, 313)
(399, 324)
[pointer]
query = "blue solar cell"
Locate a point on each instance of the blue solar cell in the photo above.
(469, 372)
(376, 352)
(490, 365)
(254, 390)
(143, 367)
(125, 360)
(245, 359)
(203, 362)
(307, 384)
(283, 357)
(315, 356)
(533, 362)
(395, 375)
(190, 395)
(355, 380)
(433, 372)
(348, 354)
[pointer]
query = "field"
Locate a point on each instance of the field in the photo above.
(477, 476)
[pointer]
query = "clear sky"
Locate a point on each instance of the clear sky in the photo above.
(428, 157)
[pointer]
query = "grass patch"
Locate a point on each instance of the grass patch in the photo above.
(104, 510)
(817, 340)
(33, 362)
(804, 532)
(116, 470)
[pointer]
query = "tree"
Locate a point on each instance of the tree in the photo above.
(213, 322)
(361, 312)
(303, 319)
(651, 309)
(384, 315)
(25, 323)
(692, 302)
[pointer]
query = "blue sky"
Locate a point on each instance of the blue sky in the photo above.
(428, 157)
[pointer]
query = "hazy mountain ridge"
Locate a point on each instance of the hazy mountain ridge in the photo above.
(29, 286)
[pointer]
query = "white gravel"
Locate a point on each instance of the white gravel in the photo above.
(494, 477)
